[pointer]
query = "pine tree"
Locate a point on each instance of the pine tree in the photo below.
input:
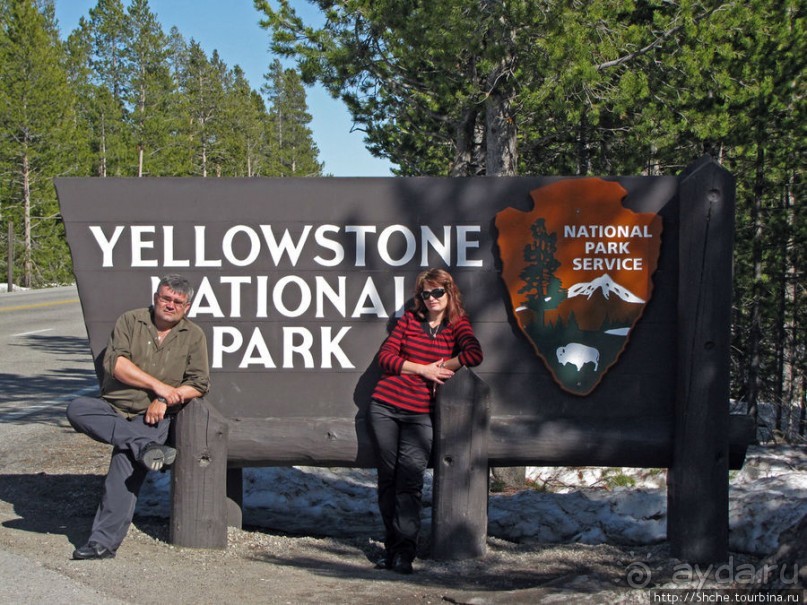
(540, 284)
(110, 35)
(245, 117)
(292, 144)
(202, 106)
(767, 145)
(36, 134)
(150, 89)
(77, 49)
(180, 150)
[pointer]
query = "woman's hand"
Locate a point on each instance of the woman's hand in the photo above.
(436, 371)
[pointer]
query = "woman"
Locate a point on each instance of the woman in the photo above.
(428, 344)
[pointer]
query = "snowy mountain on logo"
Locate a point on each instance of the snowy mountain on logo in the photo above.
(607, 285)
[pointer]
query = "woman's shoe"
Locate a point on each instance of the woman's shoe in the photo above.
(401, 564)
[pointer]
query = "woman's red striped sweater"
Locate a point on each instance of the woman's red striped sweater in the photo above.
(410, 341)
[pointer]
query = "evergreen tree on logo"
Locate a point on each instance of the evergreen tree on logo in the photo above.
(542, 288)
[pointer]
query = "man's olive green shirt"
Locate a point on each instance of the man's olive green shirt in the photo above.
(180, 359)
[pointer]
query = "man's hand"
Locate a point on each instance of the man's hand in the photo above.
(171, 395)
(155, 412)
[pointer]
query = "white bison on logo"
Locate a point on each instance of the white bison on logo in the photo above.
(578, 355)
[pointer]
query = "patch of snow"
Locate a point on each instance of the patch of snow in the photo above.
(584, 505)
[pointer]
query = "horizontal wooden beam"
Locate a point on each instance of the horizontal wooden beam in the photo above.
(513, 441)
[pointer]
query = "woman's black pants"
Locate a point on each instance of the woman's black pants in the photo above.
(403, 445)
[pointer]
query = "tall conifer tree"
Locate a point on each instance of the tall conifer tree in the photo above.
(292, 144)
(36, 135)
(150, 91)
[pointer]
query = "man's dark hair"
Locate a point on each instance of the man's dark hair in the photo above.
(178, 284)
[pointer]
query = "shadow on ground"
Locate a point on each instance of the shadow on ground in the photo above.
(71, 371)
(492, 573)
(61, 505)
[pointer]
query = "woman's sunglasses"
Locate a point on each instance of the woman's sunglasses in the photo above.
(436, 293)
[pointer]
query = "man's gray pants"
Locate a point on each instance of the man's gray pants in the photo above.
(99, 420)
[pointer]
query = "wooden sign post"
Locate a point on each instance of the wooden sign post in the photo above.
(698, 485)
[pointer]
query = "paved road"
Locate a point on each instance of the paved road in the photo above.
(26, 582)
(45, 359)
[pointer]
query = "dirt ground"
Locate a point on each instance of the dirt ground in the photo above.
(50, 482)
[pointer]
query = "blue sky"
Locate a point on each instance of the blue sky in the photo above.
(231, 27)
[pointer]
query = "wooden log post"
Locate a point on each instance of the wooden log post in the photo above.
(199, 482)
(460, 506)
(698, 486)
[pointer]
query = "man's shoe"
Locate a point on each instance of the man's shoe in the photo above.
(401, 564)
(384, 562)
(92, 550)
(154, 456)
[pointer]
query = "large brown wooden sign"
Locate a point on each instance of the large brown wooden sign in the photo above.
(298, 282)
(622, 286)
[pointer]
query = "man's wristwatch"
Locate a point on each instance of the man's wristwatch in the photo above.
(162, 400)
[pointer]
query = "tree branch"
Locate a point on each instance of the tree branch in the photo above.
(657, 42)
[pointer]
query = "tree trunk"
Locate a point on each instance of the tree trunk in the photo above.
(502, 152)
(756, 261)
(803, 413)
(141, 108)
(508, 478)
(103, 145)
(790, 321)
(10, 260)
(500, 120)
(782, 419)
(583, 154)
(28, 265)
(464, 145)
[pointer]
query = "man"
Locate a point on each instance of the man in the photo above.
(155, 361)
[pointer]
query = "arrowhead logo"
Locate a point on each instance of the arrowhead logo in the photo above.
(578, 270)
